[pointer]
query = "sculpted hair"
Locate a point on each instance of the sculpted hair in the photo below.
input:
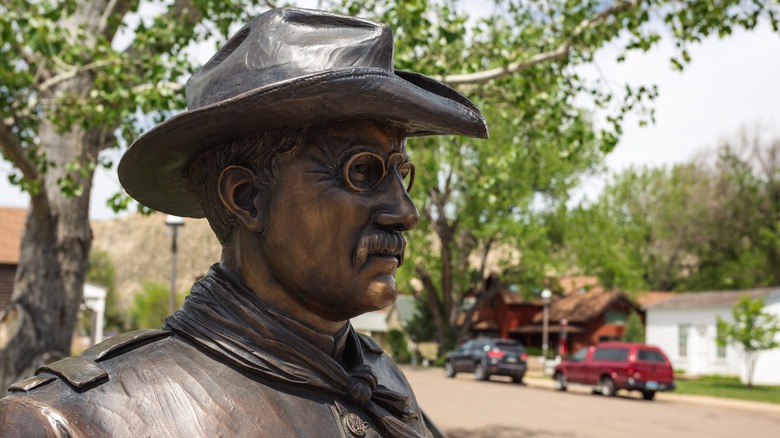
(259, 153)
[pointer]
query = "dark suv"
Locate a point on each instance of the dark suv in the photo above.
(486, 357)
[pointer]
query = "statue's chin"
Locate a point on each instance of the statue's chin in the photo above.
(381, 292)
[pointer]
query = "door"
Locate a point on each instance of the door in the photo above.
(460, 355)
(575, 363)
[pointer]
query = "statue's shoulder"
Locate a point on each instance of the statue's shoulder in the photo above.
(369, 344)
(87, 371)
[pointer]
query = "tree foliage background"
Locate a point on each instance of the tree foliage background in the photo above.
(78, 77)
(710, 224)
(752, 331)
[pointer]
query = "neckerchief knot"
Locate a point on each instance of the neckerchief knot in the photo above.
(363, 384)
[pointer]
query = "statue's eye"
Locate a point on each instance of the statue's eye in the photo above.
(364, 171)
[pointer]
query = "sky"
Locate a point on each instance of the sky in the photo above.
(730, 84)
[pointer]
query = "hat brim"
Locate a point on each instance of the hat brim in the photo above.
(151, 171)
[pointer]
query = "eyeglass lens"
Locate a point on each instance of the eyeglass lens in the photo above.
(365, 170)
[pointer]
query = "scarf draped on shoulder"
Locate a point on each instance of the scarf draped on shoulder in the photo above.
(222, 315)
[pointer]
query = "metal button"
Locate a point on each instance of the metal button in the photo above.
(355, 424)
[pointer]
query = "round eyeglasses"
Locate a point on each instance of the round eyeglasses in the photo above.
(365, 170)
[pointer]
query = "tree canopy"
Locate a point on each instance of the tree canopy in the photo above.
(78, 77)
(709, 224)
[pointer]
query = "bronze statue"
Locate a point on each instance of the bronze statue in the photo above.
(293, 148)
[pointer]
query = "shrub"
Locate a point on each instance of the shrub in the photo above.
(398, 349)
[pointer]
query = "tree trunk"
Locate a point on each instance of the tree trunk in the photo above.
(751, 366)
(37, 325)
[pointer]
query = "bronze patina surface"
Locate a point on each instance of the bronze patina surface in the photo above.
(293, 148)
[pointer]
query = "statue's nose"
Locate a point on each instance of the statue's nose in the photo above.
(399, 212)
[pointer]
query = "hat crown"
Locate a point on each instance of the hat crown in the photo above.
(286, 44)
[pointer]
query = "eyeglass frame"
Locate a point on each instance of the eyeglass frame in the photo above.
(404, 161)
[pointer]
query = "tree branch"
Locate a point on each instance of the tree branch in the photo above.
(64, 76)
(103, 23)
(174, 86)
(179, 11)
(560, 52)
(490, 288)
(434, 303)
(33, 62)
(15, 153)
(483, 261)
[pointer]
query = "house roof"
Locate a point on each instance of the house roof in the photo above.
(11, 227)
(485, 325)
(405, 308)
(510, 296)
(709, 299)
(648, 298)
(575, 283)
(581, 307)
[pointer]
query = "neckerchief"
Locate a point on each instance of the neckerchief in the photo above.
(222, 315)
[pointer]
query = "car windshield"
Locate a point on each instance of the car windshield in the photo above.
(579, 356)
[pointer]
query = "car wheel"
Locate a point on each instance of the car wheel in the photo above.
(607, 386)
(480, 373)
(517, 378)
(449, 369)
(648, 395)
(560, 382)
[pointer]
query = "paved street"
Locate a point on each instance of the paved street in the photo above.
(466, 408)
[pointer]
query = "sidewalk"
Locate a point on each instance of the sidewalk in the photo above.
(537, 380)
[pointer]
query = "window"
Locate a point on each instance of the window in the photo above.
(613, 317)
(611, 354)
(579, 356)
(721, 349)
(682, 339)
(650, 356)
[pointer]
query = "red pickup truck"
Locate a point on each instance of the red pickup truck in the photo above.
(610, 366)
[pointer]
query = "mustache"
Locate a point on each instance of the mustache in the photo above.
(380, 243)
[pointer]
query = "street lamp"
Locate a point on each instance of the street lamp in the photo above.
(174, 223)
(546, 294)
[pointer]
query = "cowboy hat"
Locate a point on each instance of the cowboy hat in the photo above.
(289, 67)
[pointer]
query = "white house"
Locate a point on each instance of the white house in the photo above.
(685, 327)
(373, 324)
(95, 302)
(378, 323)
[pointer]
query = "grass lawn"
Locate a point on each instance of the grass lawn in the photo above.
(728, 387)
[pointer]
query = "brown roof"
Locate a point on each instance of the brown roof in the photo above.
(11, 227)
(581, 307)
(511, 297)
(709, 299)
(648, 298)
(485, 325)
(573, 283)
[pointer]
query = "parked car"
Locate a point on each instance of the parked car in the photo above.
(486, 357)
(612, 366)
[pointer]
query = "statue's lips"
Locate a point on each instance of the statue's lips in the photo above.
(396, 259)
(390, 245)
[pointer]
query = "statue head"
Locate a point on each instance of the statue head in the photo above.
(293, 148)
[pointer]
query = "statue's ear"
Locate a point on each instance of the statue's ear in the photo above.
(238, 190)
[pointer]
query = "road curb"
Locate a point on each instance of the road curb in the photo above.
(726, 403)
